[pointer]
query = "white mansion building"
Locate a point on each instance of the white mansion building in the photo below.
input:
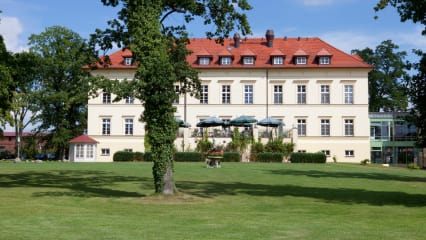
(319, 92)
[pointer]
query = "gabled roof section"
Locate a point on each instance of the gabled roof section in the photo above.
(83, 139)
(300, 52)
(225, 53)
(324, 52)
(247, 53)
(204, 53)
(277, 52)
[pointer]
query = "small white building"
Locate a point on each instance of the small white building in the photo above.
(82, 149)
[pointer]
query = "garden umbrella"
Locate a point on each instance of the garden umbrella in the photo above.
(270, 122)
(210, 122)
(182, 123)
(242, 120)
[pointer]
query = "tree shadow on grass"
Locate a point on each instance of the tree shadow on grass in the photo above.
(75, 183)
(358, 175)
(334, 195)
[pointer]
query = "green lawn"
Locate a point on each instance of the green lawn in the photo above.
(238, 201)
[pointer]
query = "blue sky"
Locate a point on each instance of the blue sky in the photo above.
(346, 24)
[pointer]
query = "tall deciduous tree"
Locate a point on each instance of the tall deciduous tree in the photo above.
(64, 85)
(386, 81)
(160, 51)
(6, 83)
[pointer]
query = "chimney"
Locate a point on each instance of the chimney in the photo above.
(237, 39)
(270, 38)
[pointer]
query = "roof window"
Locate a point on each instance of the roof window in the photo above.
(128, 61)
(324, 60)
(301, 60)
(248, 60)
(204, 60)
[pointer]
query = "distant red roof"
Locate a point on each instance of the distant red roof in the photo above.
(83, 139)
(311, 47)
(13, 134)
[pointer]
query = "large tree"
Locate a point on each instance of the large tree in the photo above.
(6, 83)
(414, 10)
(63, 85)
(386, 81)
(160, 51)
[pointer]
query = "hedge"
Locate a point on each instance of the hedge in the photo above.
(270, 157)
(231, 157)
(297, 157)
(189, 157)
(123, 156)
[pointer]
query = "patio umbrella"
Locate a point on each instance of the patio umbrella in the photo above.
(270, 122)
(210, 122)
(182, 123)
(242, 120)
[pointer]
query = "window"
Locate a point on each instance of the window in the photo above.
(130, 100)
(225, 61)
(105, 151)
(278, 60)
(203, 60)
(300, 60)
(324, 60)
(325, 94)
(204, 95)
(226, 94)
(301, 127)
(325, 127)
(106, 98)
(248, 94)
(301, 151)
(326, 152)
(177, 91)
(301, 94)
(349, 94)
(349, 127)
(128, 126)
(349, 153)
(79, 151)
(128, 150)
(248, 60)
(90, 151)
(278, 94)
(106, 126)
(128, 61)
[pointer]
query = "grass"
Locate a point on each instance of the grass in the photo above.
(238, 201)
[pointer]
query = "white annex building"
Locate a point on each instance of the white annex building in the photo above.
(319, 92)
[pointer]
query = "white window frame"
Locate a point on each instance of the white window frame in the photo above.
(326, 152)
(301, 127)
(348, 93)
(349, 153)
(106, 98)
(325, 94)
(177, 91)
(248, 94)
(226, 94)
(324, 60)
(204, 94)
(349, 127)
(79, 151)
(105, 152)
(277, 60)
(128, 61)
(325, 127)
(225, 60)
(130, 100)
(128, 126)
(248, 60)
(203, 61)
(278, 94)
(302, 60)
(106, 126)
(301, 94)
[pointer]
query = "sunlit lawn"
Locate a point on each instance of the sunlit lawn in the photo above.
(238, 201)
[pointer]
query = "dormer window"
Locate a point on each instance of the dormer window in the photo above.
(324, 60)
(300, 60)
(248, 60)
(203, 60)
(225, 60)
(128, 61)
(278, 60)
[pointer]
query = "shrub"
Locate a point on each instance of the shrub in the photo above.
(204, 145)
(138, 156)
(270, 157)
(231, 157)
(256, 148)
(123, 156)
(277, 145)
(365, 162)
(318, 157)
(189, 157)
(148, 157)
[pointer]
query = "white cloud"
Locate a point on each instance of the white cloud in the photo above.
(10, 29)
(317, 2)
(347, 41)
(414, 39)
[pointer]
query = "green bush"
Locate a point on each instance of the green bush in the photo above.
(123, 156)
(138, 156)
(147, 157)
(318, 157)
(231, 157)
(204, 145)
(270, 157)
(189, 157)
(256, 148)
(277, 145)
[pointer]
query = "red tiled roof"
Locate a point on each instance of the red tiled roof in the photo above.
(276, 52)
(83, 139)
(310, 47)
(13, 134)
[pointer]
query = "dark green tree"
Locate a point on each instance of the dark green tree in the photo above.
(62, 99)
(6, 83)
(386, 88)
(160, 51)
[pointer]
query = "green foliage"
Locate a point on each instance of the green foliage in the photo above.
(270, 157)
(231, 157)
(365, 161)
(318, 157)
(7, 84)
(256, 148)
(189, 157)
(277, 145)
(138, 156)
(386, 81)
(204, 145)
(123, 156)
